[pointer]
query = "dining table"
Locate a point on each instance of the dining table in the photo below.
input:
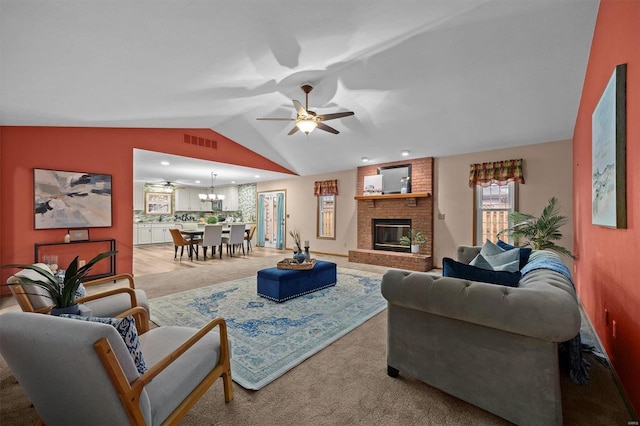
(192, 235)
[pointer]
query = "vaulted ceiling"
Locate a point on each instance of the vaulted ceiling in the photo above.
(436, 78)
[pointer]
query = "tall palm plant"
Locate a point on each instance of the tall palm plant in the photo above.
(539, 232)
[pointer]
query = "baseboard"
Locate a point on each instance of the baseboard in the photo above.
(612, 371)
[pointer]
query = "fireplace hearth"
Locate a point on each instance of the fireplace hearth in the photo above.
(387, 234)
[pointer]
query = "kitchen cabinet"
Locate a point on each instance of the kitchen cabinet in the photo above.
(152, 233)
(138, 196)
(188, 200)
(230, 202)
(160, 233)
(144, 233)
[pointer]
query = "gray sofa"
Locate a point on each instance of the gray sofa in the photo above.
(493, 346)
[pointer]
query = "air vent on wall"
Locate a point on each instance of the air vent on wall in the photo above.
(203, 142)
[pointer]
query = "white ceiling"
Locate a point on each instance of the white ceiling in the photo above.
(437, 78)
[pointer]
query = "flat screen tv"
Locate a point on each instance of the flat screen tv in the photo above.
(395, 178)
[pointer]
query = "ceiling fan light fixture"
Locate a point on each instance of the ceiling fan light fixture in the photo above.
(307, 125)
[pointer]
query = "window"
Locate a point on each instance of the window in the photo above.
(492, 207)
(327, 217)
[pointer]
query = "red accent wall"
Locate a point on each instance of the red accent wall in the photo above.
(608, 268)
(95, 150)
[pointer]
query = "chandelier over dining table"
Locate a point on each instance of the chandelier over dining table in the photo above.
(211, 196)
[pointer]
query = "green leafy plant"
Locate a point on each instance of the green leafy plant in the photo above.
(212, 220)
(413, 238)
(63, 294)
(539, 232)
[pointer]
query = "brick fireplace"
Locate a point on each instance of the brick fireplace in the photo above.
(416, 207)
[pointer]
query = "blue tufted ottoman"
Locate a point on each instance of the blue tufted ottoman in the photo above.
(284, 284)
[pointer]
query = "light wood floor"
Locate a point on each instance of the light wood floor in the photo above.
(156, 258)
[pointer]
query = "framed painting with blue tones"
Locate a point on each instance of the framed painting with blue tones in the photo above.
(608, 166)
(71, 199)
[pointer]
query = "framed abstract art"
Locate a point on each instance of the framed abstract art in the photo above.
(71, 199)
(608, 166)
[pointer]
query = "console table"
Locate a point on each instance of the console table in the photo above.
(40, 247)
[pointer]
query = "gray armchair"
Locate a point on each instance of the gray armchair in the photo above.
(80, 372)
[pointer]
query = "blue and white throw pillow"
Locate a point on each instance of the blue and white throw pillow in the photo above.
(494, 258)
(525, 252)
(127, 328)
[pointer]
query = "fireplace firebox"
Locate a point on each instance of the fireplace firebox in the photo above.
(387, 234)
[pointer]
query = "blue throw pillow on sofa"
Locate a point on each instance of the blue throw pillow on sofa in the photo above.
(454, 269)
(525, 252)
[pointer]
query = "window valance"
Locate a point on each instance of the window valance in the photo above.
(326, 187)
(500, 172)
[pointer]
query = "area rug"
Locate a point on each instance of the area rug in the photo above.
(269, 338)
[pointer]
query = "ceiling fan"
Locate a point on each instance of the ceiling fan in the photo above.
(307, 120)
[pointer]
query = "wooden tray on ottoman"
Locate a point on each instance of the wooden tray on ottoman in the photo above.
(287, 264)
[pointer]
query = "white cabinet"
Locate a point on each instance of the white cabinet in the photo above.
(152, 233)
(138, 196)
(144, 233)
(230, 202)
(188, 200)
(135, 233)
(181, 198)
(160, 232)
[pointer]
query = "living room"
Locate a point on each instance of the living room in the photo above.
(605, 265)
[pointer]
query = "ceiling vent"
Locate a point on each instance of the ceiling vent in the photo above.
(203, 142)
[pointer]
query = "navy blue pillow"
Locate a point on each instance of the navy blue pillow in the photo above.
(454, 269)
(525, 252)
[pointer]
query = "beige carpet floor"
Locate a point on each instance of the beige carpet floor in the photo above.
(345, 383)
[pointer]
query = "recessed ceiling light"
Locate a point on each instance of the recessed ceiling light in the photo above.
(365, 159)
(197, 181)
(233, 181)
(405, 153)
(164, 163)
(257, 176)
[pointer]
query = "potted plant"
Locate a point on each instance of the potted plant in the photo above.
(539, 232)
(62, 291)
(415, 240)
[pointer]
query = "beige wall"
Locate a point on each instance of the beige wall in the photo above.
(547, 172)
(301, 207)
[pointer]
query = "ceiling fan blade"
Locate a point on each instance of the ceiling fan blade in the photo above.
(326, 128)
(299, 108)
(292, 131)
(277, 119)
(325, 117)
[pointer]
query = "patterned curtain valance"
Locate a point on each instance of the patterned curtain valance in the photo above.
(500, 172)
(326, 187)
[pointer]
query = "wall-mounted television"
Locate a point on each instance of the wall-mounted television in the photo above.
(396, 179)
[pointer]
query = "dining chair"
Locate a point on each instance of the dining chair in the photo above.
(249, 235)
(234, 238)
(113, 371)
(212, 237)
(180, 241)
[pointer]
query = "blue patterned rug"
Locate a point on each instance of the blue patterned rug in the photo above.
(268, 338)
